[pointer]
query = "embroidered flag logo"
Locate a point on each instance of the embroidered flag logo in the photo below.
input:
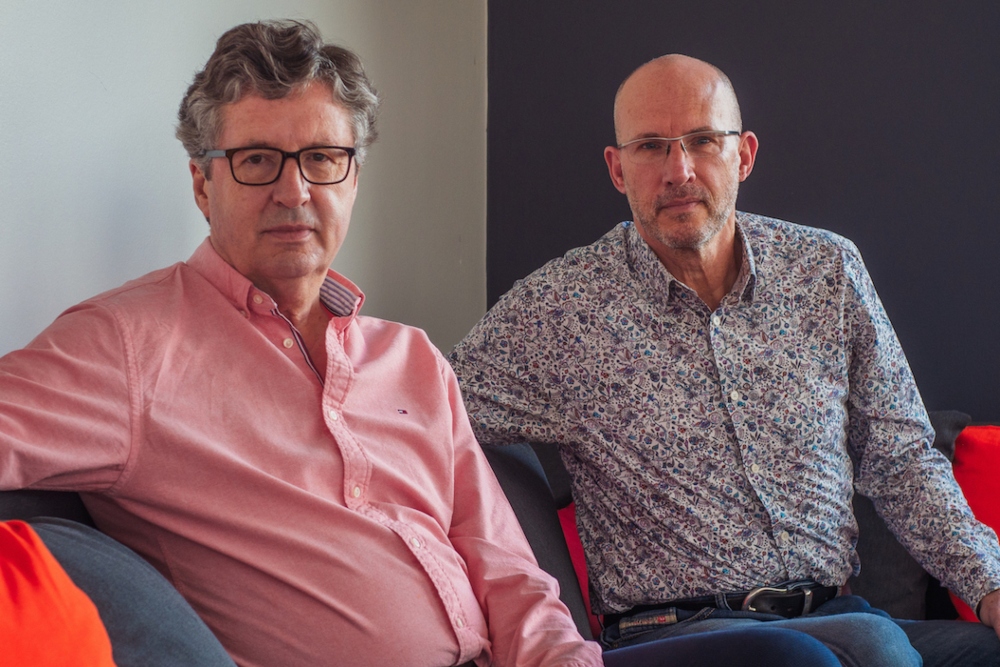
(402, 411)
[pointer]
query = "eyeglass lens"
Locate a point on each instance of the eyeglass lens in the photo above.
(258, 166)
(699, 144)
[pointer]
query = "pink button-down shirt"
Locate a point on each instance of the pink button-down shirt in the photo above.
(350, 521)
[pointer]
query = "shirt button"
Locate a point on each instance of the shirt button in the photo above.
(258, 299)
(459, 623)
(244, 313)
(333, 415)
(784, 536)
(288, 342)
(356, 492)
(415, 542)
(716, 320)
(754, 468)
(735, 395)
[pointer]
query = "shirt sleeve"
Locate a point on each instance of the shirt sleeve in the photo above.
(66, 405)
(504, 373)
(528, 624)
(910, 483)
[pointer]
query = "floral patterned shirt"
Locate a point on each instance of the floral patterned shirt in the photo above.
(711, 451)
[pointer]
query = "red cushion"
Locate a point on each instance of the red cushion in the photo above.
(567, 517)
(977, 461)
(45, 620)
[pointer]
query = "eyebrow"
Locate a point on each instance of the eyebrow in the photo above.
(256, 143)
(654, 135)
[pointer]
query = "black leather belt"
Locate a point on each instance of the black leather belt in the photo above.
(790, 599)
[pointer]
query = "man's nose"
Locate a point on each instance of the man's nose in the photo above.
(678, 166)
(291, 189)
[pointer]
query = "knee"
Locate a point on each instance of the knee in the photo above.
(744, 646)
(867, 639)
(780, 647)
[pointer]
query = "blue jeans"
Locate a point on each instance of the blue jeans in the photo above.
(738, 647)
(147, 620)
(856, 633)
(953, 643)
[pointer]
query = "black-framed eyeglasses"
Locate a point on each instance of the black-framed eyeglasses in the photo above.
(706, 143)
(255, 165)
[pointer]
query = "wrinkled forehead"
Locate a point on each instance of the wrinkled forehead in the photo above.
(671, 100)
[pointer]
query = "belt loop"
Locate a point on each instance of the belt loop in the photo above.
(721, 602)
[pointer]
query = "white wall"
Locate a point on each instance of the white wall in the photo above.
(95, 190)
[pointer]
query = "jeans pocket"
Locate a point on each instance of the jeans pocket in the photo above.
(630, 630)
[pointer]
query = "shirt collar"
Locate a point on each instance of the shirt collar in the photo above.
(651, 270)
(746, 281)
(340, 296)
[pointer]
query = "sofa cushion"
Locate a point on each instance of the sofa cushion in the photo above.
(977, 460)
(149, 623)
(567, 517)
(45, 619)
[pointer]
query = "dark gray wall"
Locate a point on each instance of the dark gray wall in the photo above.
(876, 120)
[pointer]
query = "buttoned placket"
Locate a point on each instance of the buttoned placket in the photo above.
(289, 339)
(736, 389)
(357, 478)
(357, 468)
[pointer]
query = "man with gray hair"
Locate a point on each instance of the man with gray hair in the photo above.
(305, 476)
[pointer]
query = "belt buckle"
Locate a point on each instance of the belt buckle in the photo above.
(760, 590)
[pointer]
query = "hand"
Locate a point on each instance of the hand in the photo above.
(989, 610)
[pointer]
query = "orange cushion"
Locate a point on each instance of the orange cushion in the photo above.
(976, 464)
(47, 620)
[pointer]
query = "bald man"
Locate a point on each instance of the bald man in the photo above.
(707, 376)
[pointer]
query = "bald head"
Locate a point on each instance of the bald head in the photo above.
(683, 197)
(675, 81)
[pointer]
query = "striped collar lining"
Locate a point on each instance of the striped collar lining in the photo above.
(337, 298)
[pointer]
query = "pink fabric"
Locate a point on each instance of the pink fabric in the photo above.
(352, 523)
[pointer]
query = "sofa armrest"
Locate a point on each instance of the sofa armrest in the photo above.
(523, 481)
(28, 504)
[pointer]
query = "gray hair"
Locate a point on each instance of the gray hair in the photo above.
(273, 59)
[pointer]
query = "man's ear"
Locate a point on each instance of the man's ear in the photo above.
(614, 159)
(748, 154)
(201, 186)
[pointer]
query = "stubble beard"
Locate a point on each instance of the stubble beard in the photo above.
(683, 231)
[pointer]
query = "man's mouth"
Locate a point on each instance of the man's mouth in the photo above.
(682, 203)
(289, 232)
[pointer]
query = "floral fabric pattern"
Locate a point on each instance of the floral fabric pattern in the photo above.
(712, 451)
